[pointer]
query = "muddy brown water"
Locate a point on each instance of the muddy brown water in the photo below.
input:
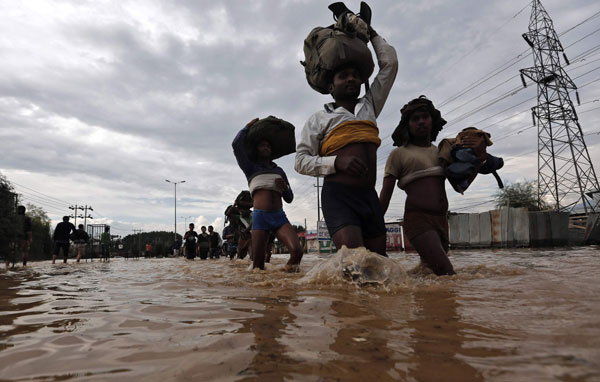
(509, 315)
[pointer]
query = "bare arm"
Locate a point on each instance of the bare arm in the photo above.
(386, 192)
(286, 191)
(388, 67)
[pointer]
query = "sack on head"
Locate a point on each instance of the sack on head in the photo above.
(244, 200)
(279, 133)
(341, 44)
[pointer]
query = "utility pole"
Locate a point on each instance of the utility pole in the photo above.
(175, 184)
(74, 215)
(85, 215)
(185, 218)
(318, 201)
(565, 171)
(138, 232)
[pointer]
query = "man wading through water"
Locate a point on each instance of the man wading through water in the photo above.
(340, 143)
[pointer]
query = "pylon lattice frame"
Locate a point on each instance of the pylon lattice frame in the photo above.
(565, 171)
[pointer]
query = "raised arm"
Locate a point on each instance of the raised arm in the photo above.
(238, 147)
(308, 161)
(388, 67)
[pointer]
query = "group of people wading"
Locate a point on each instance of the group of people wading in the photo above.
(340, 143)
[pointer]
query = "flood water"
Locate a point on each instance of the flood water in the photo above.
(509, 315)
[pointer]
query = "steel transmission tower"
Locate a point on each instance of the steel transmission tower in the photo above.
(566, 176)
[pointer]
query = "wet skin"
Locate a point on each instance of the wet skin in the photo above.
(270, 200)
(355, 164)
(425, 194)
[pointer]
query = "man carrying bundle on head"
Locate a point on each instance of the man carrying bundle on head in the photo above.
(255, 147)
(340, 142)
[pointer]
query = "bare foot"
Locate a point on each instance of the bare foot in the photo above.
(291, 268)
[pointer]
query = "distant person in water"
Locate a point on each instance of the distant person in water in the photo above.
(416, 169)
(243, 217)
(105, 244)
(268, 184)
(190, 238)
(61, 236)
(24, 236)
(177, 246)
(203, 243)
(80, 240)
(214, 243)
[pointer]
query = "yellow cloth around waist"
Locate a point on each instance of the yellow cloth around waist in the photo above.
(350, 132)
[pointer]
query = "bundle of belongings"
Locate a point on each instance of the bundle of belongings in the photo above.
(279, 133)
(463, 164)
(243, 200)
(231, 233)
(340, 44)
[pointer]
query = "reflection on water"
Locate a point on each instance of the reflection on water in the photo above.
(439, 338)
(270, 357)
(508, 315)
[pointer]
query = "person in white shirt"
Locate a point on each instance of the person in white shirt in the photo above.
(340, 143)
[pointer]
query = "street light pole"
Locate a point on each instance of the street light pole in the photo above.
(185, 218)
(175, 184)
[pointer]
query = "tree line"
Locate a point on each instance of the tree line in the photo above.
(518, 194)
(41, 246)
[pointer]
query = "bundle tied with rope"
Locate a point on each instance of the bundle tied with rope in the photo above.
(463, 163)
(326, 49)
(278, 132)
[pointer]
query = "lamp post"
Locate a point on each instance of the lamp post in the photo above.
(175, 184)
(185, 218)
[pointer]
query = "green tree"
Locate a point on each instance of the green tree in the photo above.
(41, 246)
(8, 203)
(520, 195)
(161, 241)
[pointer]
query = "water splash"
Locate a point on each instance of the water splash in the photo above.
(359, 266)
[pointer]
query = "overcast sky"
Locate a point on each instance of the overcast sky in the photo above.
(101, 101)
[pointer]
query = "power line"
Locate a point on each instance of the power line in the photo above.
(505, 66)
(474, 48)
(47, 196)
(41, 200)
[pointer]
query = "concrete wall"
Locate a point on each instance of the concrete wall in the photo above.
(548, 229)
(592, 229)
(485, 229)
(520, 227)
(509, 227)
(496, 228)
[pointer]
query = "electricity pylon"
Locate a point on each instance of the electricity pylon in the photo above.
(566, 176)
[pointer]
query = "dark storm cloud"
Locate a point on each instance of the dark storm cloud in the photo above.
(130, 99)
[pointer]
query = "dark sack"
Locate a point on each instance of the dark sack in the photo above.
(279, 133)
(328, 48)
(244, 200)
